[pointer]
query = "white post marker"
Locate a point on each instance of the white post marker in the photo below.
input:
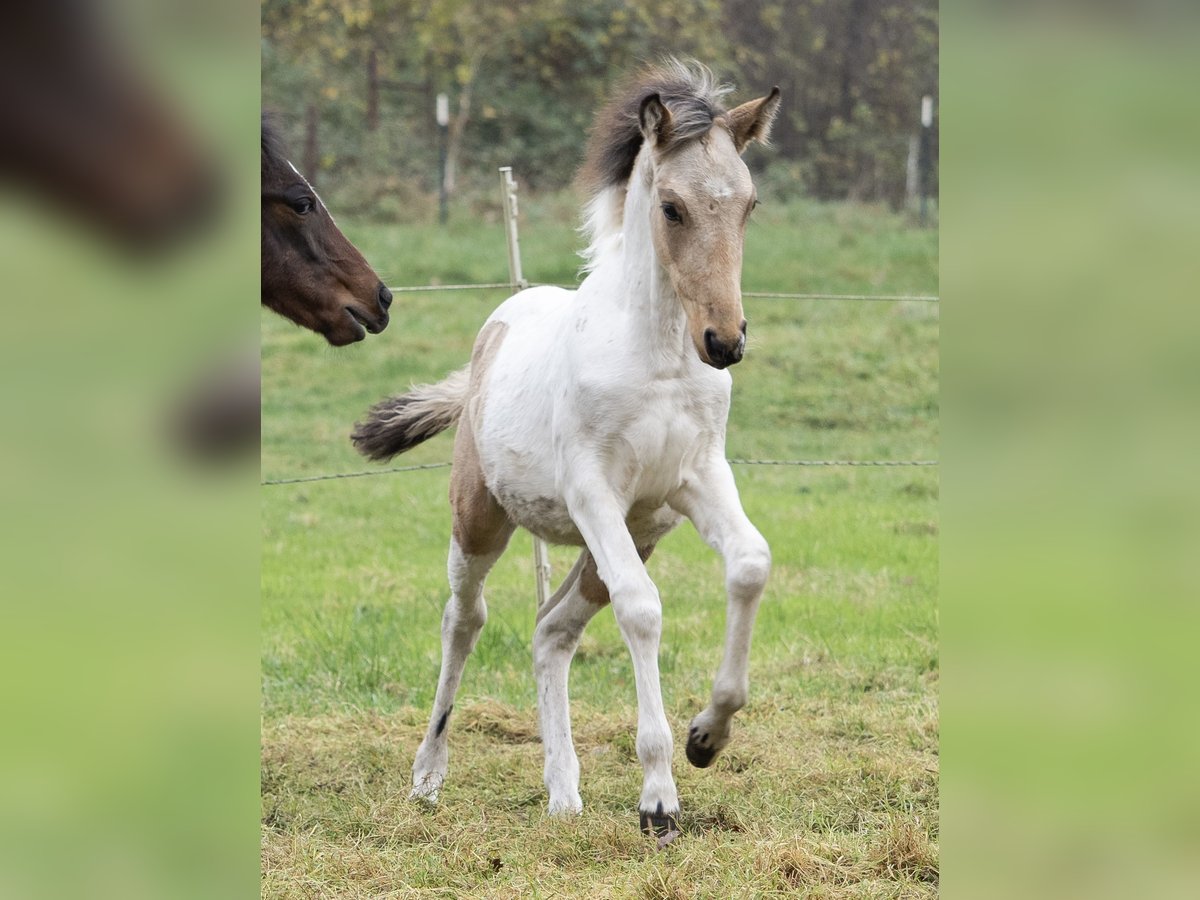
(442, 113)
(926, 151)
(508, 188)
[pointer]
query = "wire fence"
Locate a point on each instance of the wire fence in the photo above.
(768, 295)
(830, 463)
(764, 295)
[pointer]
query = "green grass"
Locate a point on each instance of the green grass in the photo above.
(829, 786)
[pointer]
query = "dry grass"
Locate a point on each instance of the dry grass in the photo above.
(800, 804)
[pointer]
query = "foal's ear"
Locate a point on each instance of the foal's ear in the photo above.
(655, 120)
(752, 120)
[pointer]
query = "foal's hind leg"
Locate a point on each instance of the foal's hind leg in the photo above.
(712, 503)
(481, 532)
(560, 625)
(463, 619)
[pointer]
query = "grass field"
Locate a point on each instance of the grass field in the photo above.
(829, 788)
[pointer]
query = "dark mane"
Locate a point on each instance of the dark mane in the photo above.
(689, 92)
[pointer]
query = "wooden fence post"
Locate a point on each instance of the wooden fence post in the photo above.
(508, 187)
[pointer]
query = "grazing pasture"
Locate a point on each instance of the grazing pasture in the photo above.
(829, 786)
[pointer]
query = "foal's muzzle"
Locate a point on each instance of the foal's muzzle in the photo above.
(723, 354)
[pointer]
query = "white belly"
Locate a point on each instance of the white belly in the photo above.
(549, 519)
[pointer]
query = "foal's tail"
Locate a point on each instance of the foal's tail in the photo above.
(400, 423)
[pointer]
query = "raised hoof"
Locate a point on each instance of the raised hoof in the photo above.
(660, 825)
(698, 754)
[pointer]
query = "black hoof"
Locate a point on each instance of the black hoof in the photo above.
(660, 825)
(698, 755)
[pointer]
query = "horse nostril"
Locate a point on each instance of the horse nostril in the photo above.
(721, 354)
(385, 297)
(743, 327)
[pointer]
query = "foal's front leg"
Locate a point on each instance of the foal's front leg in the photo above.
(601, 521)
(711, 501)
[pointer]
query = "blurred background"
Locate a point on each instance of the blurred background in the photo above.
(355, 83)
(128, 569)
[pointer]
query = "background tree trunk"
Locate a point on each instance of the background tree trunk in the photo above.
(312, 158)
(372, 90)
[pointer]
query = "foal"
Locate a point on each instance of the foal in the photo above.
(597, 418)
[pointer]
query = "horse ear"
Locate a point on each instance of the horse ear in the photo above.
(752, 120)
(654, 119)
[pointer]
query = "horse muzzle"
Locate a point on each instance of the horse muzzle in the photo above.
(721, 354)
(372, 323)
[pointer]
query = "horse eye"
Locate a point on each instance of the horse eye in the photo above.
(302, 205)
(671, 212)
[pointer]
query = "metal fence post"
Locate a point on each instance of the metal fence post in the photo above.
(508, 187)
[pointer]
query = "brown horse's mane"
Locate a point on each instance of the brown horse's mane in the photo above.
(690, 93)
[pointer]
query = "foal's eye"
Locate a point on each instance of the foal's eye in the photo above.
(671, 212)
(302, 205)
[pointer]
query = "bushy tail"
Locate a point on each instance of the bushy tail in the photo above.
(400, 423)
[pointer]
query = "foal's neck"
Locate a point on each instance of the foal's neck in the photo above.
(655, 315)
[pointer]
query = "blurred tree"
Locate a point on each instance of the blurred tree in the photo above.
(852, 76)
(525, 78)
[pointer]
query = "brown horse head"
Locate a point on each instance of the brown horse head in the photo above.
(311, 273)
(85, 127)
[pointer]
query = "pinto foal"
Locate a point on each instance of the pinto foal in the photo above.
(596, 418)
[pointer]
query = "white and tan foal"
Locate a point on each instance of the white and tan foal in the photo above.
(597, 418)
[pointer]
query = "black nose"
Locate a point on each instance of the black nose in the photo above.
(722, 354)
(385, 296)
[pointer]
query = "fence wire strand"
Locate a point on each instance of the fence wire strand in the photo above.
(451, 287)
(767, 295)
(833, 462)
(820, 463)
(882, 298)
(306, 478)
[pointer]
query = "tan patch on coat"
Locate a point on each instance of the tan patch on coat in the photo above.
(480, 524)
(591, 586)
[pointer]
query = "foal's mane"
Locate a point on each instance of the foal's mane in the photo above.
(688, 90)
(691, 94)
